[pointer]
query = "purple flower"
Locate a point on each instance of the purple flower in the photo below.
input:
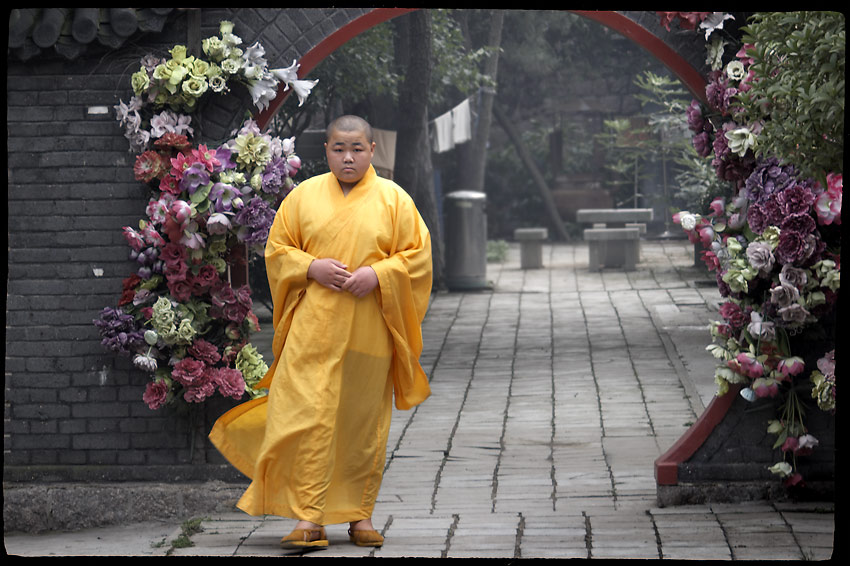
(797, 198)
(768, 178)
(118, 331)
(791, 248)
(224, 196)
(719, 93)
(756, 218)
(193, 177)
(255, 219)
(225, 157)
(696, 121)
(702, 143)
(274, 175)
(800, 223)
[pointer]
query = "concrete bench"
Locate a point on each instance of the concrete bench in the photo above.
(614, 239)
(613, 217)
(612, 247)
(531, 246)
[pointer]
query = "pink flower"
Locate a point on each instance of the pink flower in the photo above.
(718, 206)
(828, 203)
(156, 211)
(180, 290)
(706, 234)
(152, 237)
(134, 239)
(204, 351)
(170, 184)
(180, 163)
(188, 371)
(181, 211)
(750, 365)
(198, 393)
(790, 444)
(230, 382)
(207, 277)
(206, 157)
(734, 315)
(156, 394)
(791, 366)
(794, 479)
(710, 259)
(765, 388)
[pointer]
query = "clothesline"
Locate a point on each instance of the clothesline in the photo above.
(445, 132)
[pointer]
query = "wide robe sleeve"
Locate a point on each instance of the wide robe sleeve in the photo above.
(286, 268)
(405, 279)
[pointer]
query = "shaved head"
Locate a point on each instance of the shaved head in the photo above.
(350, 123)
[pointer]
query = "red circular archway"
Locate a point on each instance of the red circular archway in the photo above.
(666, 466)
(678, 65)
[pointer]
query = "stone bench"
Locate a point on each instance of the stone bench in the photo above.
(614, 239)
(531, 246)
(612, 247)
(613, 217)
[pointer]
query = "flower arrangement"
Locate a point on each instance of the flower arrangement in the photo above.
(775, 246)
(178, 316)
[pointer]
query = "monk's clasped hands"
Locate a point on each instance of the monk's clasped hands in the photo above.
(334, 275)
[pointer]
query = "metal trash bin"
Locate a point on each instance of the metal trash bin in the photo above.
(466, 240)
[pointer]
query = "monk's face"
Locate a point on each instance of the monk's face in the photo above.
(349, 155)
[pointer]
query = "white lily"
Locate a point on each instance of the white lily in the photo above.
(263, 91)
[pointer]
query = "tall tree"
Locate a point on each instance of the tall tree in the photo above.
(413, 168)
(474, 154)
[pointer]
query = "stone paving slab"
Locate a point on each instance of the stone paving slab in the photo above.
(552, 396)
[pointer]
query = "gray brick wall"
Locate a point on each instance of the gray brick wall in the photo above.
(74, 410)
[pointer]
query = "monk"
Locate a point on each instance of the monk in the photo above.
(349, 267)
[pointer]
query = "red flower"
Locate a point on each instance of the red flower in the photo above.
(156, 394)
(170, 185)
(180, 163)
(188, 371)
(171, 140)
(204, 351)
(206, 156)
(149, 165)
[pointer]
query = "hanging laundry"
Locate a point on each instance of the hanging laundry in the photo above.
(441, 133)
(384, 158)
(461, 123)
(452, 128)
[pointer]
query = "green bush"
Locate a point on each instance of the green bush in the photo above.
(798, 62)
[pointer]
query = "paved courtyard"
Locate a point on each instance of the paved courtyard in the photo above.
(552, 396)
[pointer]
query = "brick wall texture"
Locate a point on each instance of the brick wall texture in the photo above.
(74, 411)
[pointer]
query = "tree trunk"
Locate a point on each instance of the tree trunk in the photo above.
(474, 154)
(413, 168)
(535, 173)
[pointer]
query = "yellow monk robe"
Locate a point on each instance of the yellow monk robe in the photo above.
(315, 447)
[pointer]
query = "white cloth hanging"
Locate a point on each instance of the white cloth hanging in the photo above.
(384, 158)
(452, 128)
(441, 133)
(461, 123)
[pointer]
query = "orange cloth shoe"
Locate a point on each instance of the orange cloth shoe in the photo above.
(362, 537)
(305, 538)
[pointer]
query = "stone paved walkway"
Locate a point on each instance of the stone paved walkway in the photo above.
(552, 396)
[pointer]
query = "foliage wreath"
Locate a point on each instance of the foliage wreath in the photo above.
(178, 316)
